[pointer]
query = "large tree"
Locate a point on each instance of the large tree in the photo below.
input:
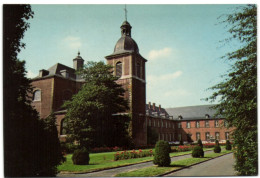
(238, 92)
(96, 114)
(27, 139)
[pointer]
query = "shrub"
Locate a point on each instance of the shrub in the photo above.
(80, 157)
(197, 152)
(161, 156)
(217, 149)
(228, 145)
(200, 143)
(68, 147)
(132, 154)
(216, 142)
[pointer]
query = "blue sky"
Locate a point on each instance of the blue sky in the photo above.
(180, 42)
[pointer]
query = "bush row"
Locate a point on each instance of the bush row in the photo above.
(182, 148)
(132, 154)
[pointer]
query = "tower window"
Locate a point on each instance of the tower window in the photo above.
(63, 125)
(119, 69)
(37, 95)
(138, 70)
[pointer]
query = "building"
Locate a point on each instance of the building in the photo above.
(57, 84)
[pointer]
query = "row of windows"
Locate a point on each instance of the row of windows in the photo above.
(197, 125)
(66, 95)
(208, 136)
(165, 124)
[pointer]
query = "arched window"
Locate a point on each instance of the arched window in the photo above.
(119, 69)
(63, 125)
(37, 95)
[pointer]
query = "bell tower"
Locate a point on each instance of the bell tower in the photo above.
(129, 65)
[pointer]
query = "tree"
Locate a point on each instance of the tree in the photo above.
(95, 115)
(26, 138)
(237, 94)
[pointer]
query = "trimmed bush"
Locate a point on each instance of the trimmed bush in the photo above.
(228, 145)
(80, 157)
(200, 143)
(197, 152)
(162, 156)
(216, 142)
(217, 149)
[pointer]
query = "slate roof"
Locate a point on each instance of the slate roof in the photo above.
(192, 112)
(156, 112)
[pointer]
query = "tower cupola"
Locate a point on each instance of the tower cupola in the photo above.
(126, 29)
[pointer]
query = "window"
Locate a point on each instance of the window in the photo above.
(158, 123)
(197, 124)
(227, 135)
(150, 122)
(179, 137)
(179, 125)
(63, 125)
(138, 70)
(37, 95)
(217, 136)
(197, 136)
(216, 123)
(162, 123)
(207, 124)
(166, 124)
(119, 69)
(188, 124)
(162, 136)
(154, 123)
(225, 123)
(207, 136)
(173, 125)
(170, 137)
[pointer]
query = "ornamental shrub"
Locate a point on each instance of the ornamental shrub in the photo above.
(216, 142)
(80, 157)
(200, 143)
(197, 152)
(228, 145)
(162, 156)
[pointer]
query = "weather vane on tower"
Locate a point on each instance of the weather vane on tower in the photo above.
(125, 13)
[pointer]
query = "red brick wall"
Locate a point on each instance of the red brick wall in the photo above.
(44, 106)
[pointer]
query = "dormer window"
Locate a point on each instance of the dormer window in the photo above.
(207, 116)
(119, 69)
(180, 117)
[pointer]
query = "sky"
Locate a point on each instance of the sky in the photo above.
(180, 42)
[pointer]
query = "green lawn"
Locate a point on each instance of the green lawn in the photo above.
(155, 170)
(99, 161)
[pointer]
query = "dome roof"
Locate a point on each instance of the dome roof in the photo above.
(126, 44)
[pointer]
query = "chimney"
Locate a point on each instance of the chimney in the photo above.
(153, 106)
(78, 62)
(159, 107)
(43, 73)
(149, 105)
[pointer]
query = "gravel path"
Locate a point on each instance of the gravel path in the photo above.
(222, 166)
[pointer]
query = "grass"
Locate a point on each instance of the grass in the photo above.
(155, 170)
(100, 161)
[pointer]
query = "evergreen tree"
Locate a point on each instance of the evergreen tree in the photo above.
(93, 115)
(26, 139)
(237, 94)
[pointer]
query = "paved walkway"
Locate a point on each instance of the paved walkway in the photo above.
(113, 172)
(222, 166)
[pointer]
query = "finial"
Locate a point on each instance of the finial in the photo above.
(125, 13)
(78, 53)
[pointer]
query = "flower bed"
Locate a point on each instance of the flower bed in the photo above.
(105, 149)
(208, 145)
(132, 154)
(182, 148)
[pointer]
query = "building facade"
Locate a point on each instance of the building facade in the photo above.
(54, 86)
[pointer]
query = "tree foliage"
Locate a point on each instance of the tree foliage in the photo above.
(237, 94)
(27, 140)
(93, 115)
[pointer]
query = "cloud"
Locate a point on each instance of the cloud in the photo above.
(30, 74)
(161, 53)
(72, 42)
(164, 77)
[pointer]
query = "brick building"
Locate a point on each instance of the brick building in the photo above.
(59, 83)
